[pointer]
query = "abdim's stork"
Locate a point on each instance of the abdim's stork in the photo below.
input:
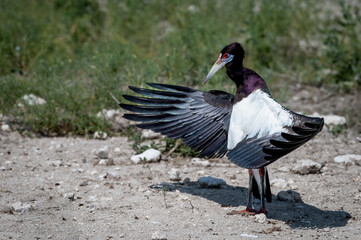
(251, 127)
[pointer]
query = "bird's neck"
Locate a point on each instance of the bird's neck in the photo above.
(246, 80)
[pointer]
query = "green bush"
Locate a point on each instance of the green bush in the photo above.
(73, 53)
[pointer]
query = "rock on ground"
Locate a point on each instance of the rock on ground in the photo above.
(103, 153)
(211, 182)
(150, 134)
(32, 100)
(306, 167)
(150, 155)
(100, 135)
(21, 207)
(280, 183)
(199, 162)
(158, 236)
(348, 158)
(5, 128)
(174, 174)
(289, 195)
(261, 218)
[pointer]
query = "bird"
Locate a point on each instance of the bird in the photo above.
(251, 128)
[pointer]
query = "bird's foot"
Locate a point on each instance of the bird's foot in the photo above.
(248, 211)
(262, 210)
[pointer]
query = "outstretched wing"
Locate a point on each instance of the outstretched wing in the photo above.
(259, 152)
(200, 119)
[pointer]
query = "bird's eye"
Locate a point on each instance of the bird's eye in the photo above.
(226, 55)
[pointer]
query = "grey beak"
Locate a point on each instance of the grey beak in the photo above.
(218, 65)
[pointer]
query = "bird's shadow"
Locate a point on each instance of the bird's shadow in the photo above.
(295, 214)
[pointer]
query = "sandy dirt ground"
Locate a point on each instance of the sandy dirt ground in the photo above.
(62, 191)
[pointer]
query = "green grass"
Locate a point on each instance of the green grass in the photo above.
(72, 53)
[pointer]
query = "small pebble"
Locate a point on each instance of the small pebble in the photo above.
(106, 162)
(5, 128)
(307, 166)
(201, 173)
(117, 150)
(21, 207)
(158, 236)
(183, 197)
(289, 195)
(82, 184)
(186, 180)
(174, 174)
(150, 134)
(280, 183)
(100, 135)
(199, 162)
(32, 100)
(6, 210)
(150, 155)
(348, 158)
(103, 153)
(78, 170)
(70, 196)
(103, 176)
(260, 218)
(246, 235)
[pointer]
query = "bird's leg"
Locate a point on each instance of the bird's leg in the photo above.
(262, 176)
(249, 209)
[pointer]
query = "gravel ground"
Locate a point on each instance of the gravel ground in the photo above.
(77, 188)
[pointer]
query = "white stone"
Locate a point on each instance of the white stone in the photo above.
(306, 166)
(5, 128)
(174, 174)
(284, 169)
(103, 153)
(150, 155)
(150, 134)
(211, 182)
(260, 218)
(100, 135)
(246, 235)
(331, 119)
(199, 162)
(21, 207)
(70, 196)
(117, 150)
(78, 170)
(280, 183)
(348, 158)
(106, 162)
(158, 236)
(3, 168)
(103, 162)
(183, 197)
(32, 100)
(109, 113)
(201, 173)
(103, 176)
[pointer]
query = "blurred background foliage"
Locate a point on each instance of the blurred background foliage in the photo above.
(73, 53)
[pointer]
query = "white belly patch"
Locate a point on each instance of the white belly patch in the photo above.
(257, 115)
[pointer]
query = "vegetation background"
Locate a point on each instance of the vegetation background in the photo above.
(73, 53)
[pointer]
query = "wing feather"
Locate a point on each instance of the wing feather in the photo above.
(200, 118)
(259, 152)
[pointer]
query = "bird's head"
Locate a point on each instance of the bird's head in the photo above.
(232, 53)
